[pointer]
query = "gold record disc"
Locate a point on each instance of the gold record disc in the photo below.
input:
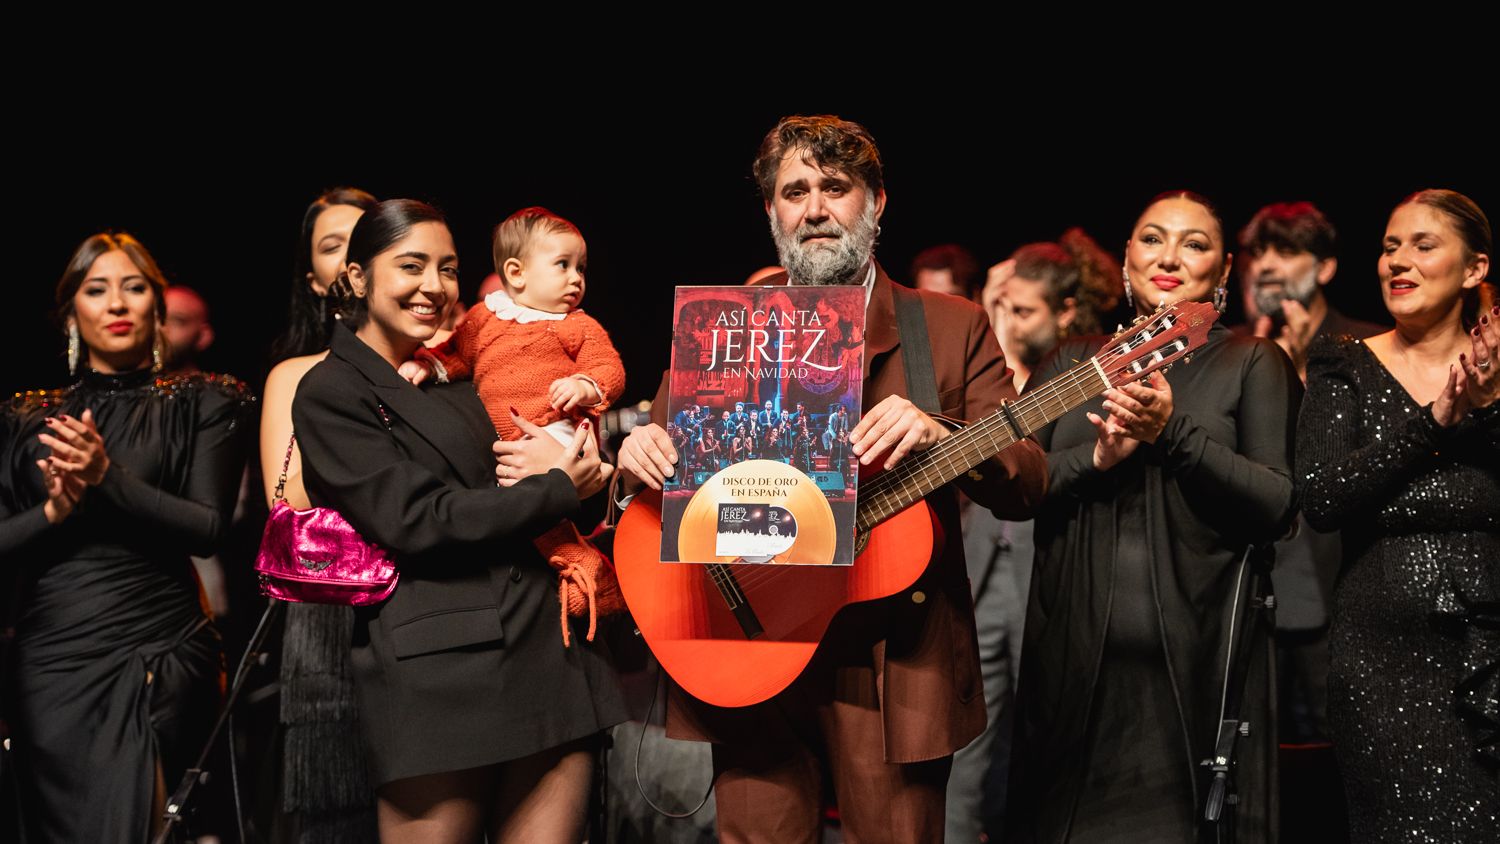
(758, 511)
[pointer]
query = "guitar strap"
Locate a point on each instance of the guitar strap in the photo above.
(916, 349)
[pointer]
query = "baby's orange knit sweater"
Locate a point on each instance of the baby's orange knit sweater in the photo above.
(513, 363)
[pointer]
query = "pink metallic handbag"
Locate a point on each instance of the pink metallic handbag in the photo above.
(315, 556)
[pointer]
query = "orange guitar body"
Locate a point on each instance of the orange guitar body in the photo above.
(690, 629)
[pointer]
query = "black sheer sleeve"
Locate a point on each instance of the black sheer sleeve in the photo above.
(20, 521)
(19, 529)
(198, 519)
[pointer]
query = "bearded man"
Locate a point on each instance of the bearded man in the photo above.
(894, 688)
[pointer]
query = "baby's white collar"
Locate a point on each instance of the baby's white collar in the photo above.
(505, 307)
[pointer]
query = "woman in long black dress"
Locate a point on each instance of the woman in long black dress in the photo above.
(118, 668)
(476, 719)
(1154, 495)
(1399, 447)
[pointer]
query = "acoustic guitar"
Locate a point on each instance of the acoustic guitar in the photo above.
(735, 634)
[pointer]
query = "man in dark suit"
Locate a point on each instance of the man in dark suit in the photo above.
(723, 427)
(739, 417)
(894, 690)
(767, 418)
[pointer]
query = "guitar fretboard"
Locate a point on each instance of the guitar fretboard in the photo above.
(918, 475)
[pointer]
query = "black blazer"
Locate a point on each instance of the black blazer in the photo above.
(423, 485)
(452, 670)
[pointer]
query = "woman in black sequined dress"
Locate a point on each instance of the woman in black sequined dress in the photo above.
(1399, 447)
(105, 489)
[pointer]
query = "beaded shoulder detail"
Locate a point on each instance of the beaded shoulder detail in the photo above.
(29, 401)
(227, 386)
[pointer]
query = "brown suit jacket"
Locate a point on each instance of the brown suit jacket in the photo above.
(924, 654)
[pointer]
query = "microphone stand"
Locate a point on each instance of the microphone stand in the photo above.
(180, 802)
(1252, 620)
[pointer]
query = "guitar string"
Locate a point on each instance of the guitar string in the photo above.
(902, 475)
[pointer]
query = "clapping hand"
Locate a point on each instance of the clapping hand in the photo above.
(1475, 381)
(76, 447)
(1141, 410)
(63, 491)
(1137, 413)
(1481, 370)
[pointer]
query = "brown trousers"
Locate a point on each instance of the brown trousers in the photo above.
(769, 787)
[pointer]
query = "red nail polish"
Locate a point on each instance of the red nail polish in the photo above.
(513, 411)
(585, 424)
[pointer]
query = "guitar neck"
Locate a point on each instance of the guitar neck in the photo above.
(919, 474)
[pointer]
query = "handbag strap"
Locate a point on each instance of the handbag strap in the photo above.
(278, 495)
(285, 464)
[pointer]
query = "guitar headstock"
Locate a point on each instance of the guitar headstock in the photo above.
(1156, 342)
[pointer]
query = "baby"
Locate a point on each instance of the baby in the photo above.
(531, 351)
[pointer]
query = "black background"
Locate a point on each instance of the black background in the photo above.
(660, 186)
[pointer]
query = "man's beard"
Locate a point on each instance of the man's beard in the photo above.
(1034, 348)
(1301, 290)
(825, 264)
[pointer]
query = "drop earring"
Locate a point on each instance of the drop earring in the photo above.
(1221, 298)
(74, 350)
(156, 353)
(1129, 297)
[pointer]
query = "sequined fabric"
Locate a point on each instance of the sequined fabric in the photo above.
(1414, 686)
